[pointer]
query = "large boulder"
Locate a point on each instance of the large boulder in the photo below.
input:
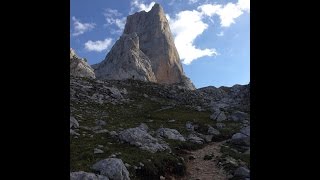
(112, 168)
(242, 172)
(245, 130)
(240, 139)
(170, 134)
(141, 138)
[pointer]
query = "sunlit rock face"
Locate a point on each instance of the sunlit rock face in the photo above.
(145, 51)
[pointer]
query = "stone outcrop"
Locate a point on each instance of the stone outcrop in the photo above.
(79, 67)
(146, 51)
(242, 172)
(236, 97)
(139, 137)
(112, 168)
(170, 134)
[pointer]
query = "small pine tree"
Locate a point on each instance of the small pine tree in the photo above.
(85, 59)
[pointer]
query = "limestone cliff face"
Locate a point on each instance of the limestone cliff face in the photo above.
(154, 56)
(126, 61)
(157, 42)
(79, 67)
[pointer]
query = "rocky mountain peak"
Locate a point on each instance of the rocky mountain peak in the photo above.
(157, 10)
(153, 48)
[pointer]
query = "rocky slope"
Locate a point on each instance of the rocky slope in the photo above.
(145, 51)
(133, 129)
(79, 67)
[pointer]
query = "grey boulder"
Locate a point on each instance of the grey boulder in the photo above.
(141, 138)
(97, 151)
(242, 172)
(240, 139)
(170, 134)
(113, 168)
(245, 130)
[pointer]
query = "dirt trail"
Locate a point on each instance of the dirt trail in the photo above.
(200, 169)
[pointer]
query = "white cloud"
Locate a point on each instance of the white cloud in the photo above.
(98, 45)
(80, 28)
(227, 13)
(186, 27)
(114, 17)
(120, 23)
(220, 34)
(137, 5)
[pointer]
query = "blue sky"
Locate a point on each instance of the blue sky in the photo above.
(212, 36)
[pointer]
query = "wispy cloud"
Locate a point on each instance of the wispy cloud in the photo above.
(220, 34)
(112, 12)
(98, 46)
(114, 17)
(80, 28)
(140, 5)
